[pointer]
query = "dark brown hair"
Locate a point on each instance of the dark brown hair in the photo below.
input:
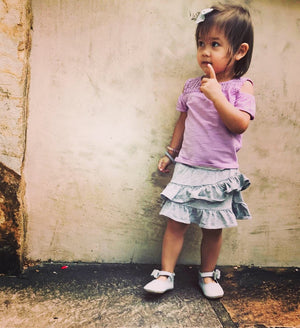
(235, 22)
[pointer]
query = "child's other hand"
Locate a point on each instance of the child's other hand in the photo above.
(209, 85)
(163, 164)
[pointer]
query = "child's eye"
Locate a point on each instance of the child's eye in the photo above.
(200, 43)
(215, 44)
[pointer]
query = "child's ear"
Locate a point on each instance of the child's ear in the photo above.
(243, 49)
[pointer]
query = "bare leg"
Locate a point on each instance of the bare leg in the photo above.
(172, 245)
(210, 250)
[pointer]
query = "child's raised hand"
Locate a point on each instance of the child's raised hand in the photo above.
(209, 84)
(163, 164)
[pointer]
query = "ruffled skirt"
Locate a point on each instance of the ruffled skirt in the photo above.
(210, 198)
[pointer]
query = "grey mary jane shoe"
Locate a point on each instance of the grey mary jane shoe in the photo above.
(211, 290)
(158, 286)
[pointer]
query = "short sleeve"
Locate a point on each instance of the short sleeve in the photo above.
(246, 103)
(181, 104)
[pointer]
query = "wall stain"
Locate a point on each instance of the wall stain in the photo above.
(262, 152)
(4, 93)
(286, 47)
(159, 179)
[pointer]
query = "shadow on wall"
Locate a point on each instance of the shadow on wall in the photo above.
(10, 221)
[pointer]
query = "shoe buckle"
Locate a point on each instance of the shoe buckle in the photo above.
(217, 274)
(155, 273)
(214, 274)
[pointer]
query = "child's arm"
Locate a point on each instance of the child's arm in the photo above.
(176, 142)
(235, 120)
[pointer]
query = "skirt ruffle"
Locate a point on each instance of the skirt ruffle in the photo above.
(209, 198)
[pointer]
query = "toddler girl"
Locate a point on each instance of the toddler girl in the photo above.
(214, 112)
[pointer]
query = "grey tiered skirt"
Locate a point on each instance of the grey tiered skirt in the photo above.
(210, 198)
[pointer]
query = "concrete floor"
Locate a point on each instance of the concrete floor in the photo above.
(111, 295)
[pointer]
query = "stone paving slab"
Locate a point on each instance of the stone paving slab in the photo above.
(104, 295)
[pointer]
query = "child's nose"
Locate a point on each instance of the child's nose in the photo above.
(205, 51)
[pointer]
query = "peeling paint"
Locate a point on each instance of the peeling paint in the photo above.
(11, 225)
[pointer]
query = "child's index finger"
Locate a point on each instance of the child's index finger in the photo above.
(211, 72)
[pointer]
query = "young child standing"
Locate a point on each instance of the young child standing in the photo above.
(214, 112)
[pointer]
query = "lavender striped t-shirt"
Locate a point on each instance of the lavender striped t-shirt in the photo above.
(207, 142)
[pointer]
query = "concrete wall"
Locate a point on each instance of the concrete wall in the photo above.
(105, 80)
(15, 22)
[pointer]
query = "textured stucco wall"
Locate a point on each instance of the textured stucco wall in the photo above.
(15, 23)
(105, 77)
(15, 20)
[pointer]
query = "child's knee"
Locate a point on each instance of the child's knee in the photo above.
(177, 227)
(211, 233)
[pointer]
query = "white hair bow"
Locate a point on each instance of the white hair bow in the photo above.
(199, 17)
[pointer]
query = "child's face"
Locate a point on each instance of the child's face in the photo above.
(214, 49)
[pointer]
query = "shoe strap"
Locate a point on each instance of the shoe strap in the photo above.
(214, 274)
(156, 273)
